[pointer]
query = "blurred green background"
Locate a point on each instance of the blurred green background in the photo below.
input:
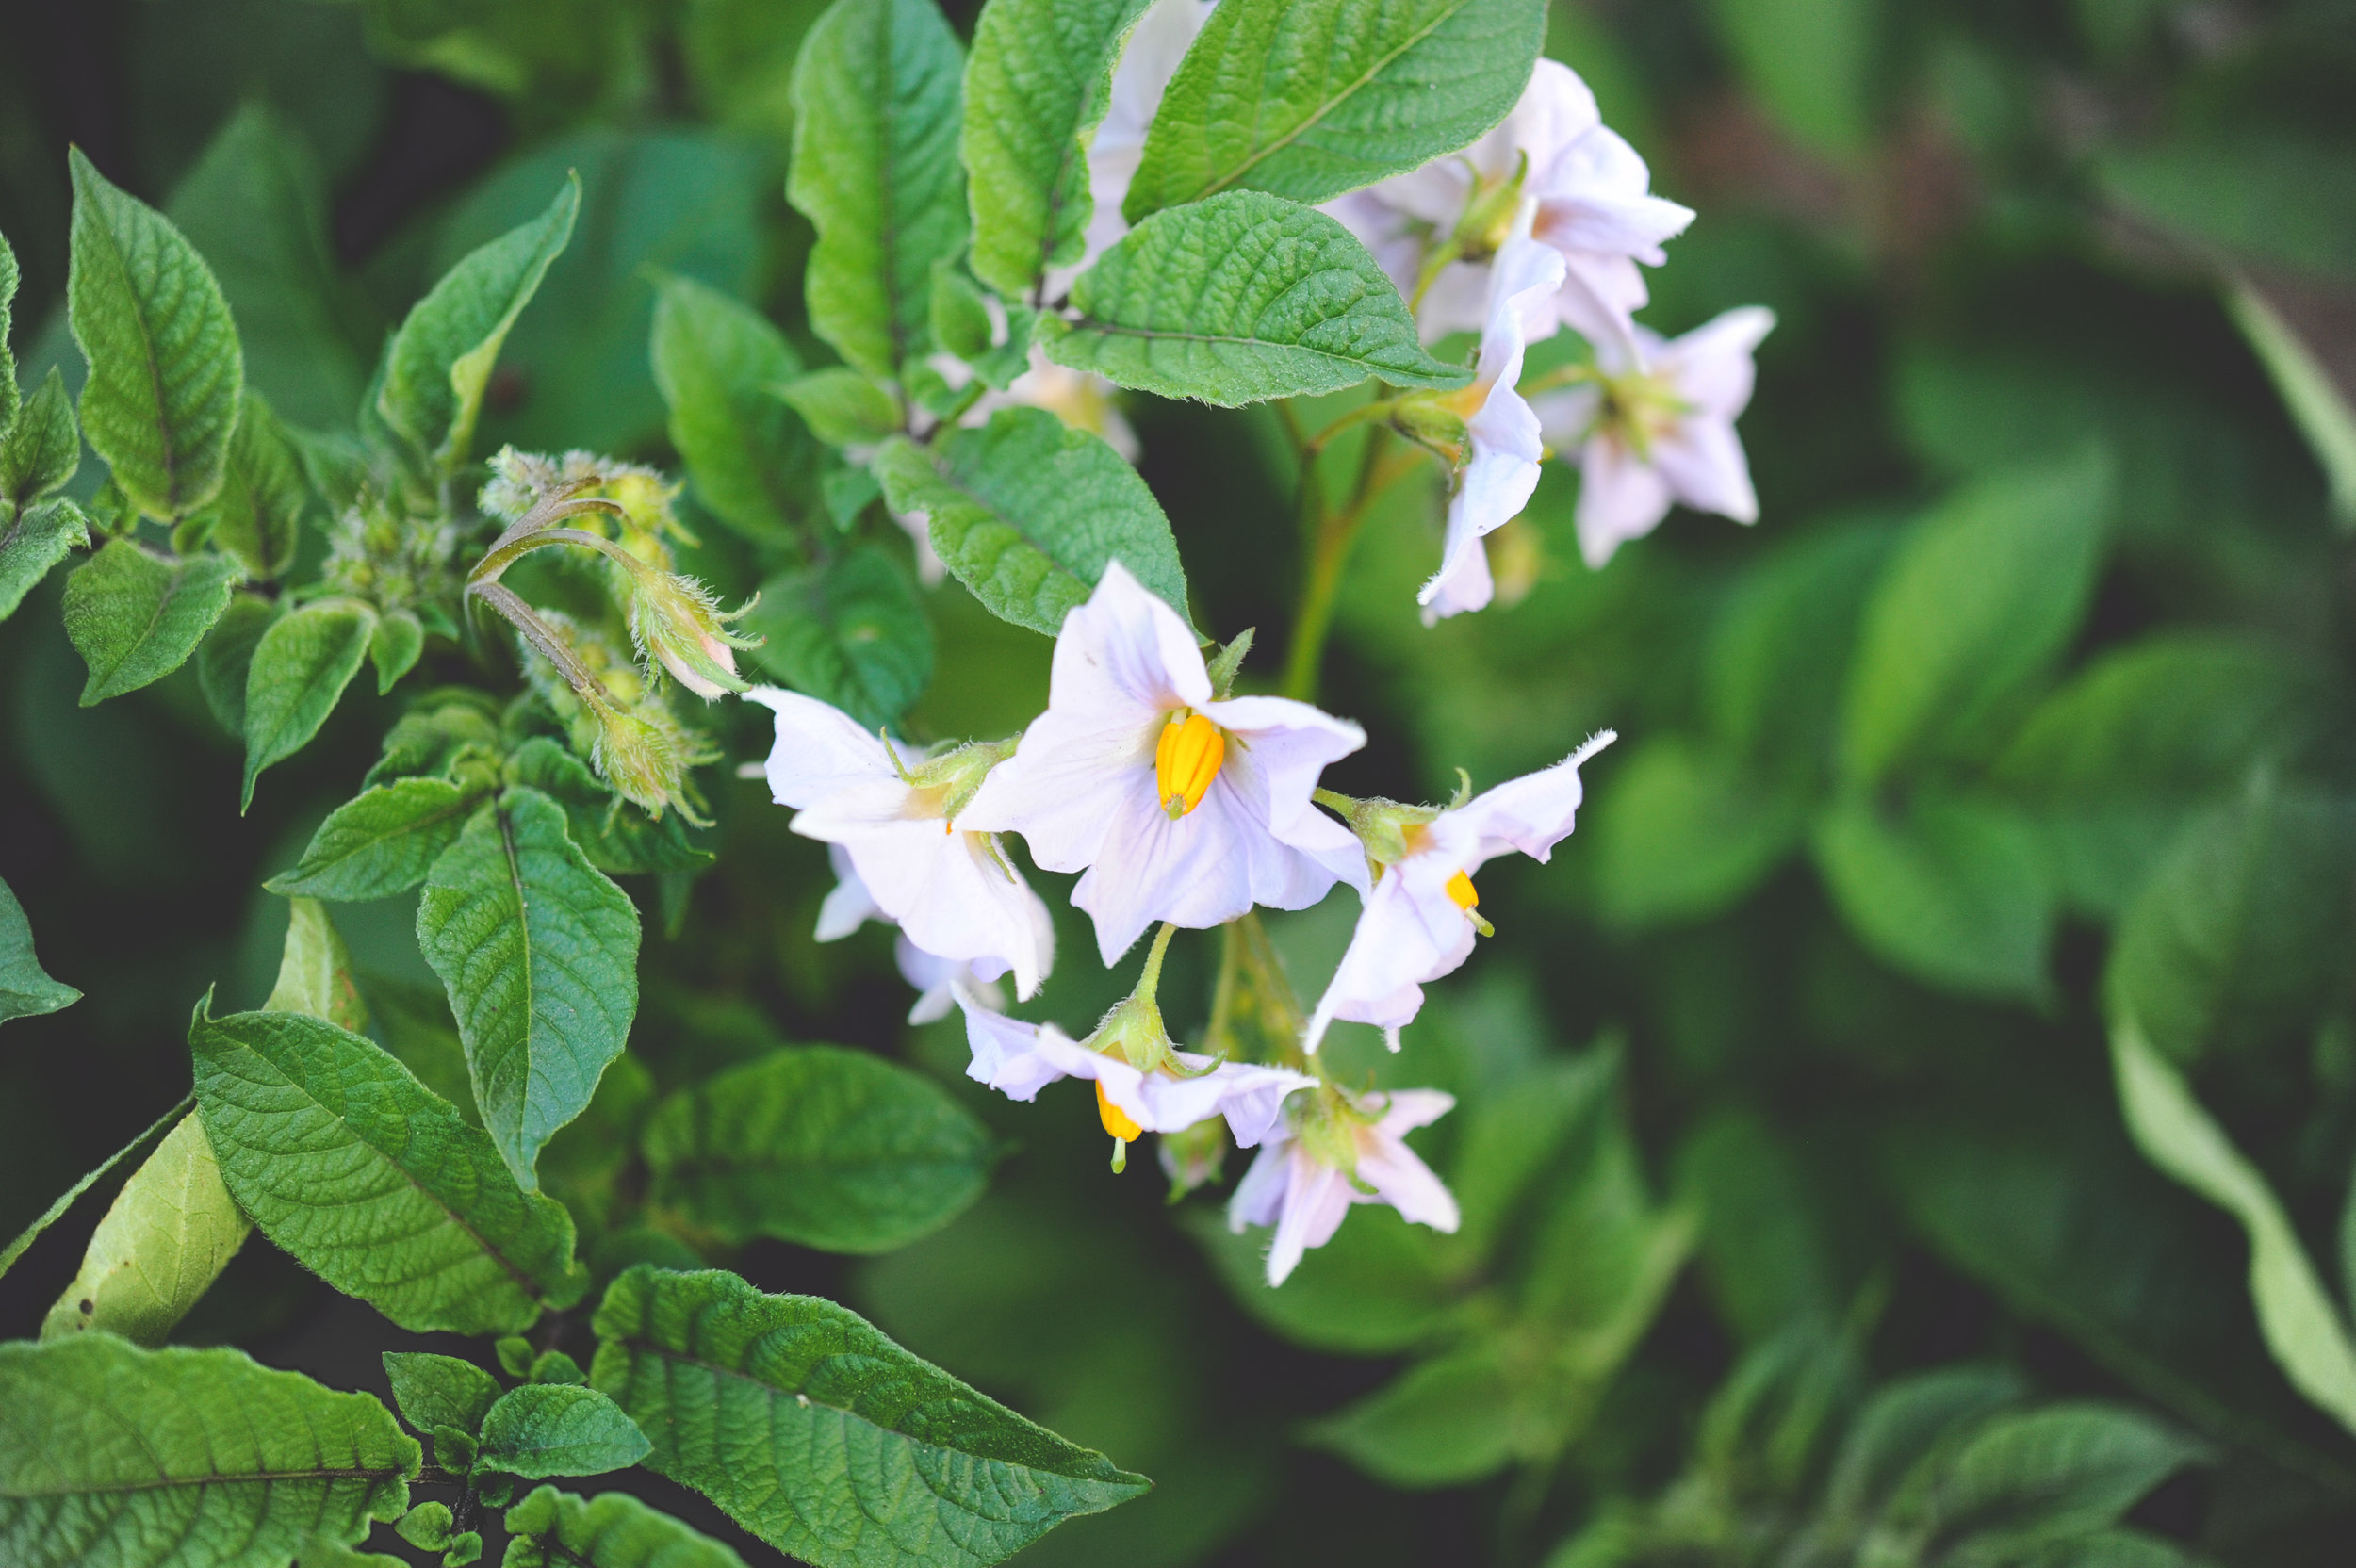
(1838, 1022)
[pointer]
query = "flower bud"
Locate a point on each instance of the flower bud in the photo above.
(677, 624)
(645, 753)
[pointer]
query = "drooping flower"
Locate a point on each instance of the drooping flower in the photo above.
(1178, 804)
(1502, 442)
(951, 889)
(1147, 61)
(1656, 425)
(1337, 1149)
(1595, 207)
(1420, 916)
(848, 906)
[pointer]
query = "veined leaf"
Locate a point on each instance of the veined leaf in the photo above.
(135, 616)
(373, 1182)
(875, 100)
(555, 1530)
(543, 1430)
(8, 395)
(164, 368)
(440, 359)
(382, 843)
(40, 450)
(539, 953)
(1037, 87)
(258, 513)
(31, 542)
(184, 1459)
(226, 656)
(841, 407)
(1311, 98)
(833, 1149)
(300, 669)
(618, 842)
(164, 1240)
(26, 988)
(315, 970)
(1027, 511)
(827, 1440)
(394, 646)
(433, 1391)
(1239, 299)
(851, 633)
(715, 361)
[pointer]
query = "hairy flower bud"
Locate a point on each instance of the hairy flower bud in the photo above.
(677, 624)
(645, 753)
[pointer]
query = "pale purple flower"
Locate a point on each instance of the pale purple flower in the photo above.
(1297, 1185)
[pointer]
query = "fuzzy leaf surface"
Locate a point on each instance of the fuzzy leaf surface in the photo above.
(300, 669)
(258, 513)
(851, 632)
(135, 616)
(555, 1530)
(33, 542)
(434, 1391)
(382, 843)
(543, 1430)
(715, 360)
(164, 1240)
(41, 449)
(226, 656)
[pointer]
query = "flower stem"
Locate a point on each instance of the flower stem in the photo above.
(1328, 537)
(1150, 980)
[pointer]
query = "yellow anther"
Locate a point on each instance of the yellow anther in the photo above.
(1116, 1120)
(1185, 760)
(1460, 888)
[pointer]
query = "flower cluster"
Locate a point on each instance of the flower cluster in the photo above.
(1181, 806)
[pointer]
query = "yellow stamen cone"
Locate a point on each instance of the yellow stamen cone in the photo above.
(1116, 1120)
(1185, 760)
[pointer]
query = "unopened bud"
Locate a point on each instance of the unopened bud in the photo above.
(1434, 421)
(645, 753)
(676, 623)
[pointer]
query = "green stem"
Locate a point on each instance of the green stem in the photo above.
(32, 1232)
(1149, 979)
(1328, 538)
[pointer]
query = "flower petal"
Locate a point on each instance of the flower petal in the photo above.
(1620, 497)
(1711, 364)
(1531, 813)
(1410, 932)
(848, 904)
(1315, 1199)
(1006, 1054)
(819, 749)
(1259, 1198)
(1406, 1183)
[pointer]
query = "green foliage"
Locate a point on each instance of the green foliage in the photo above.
(1310, 100)
(876, 110)
(851, 632)
(135, 616)
(718, 364)
(26, 988)
(394, 646)
(827, 1440)
(1026, 513)
(438, 362)
(258, 515)
(315, 970)
(1954, 891)
(165, 1239)
(1036, 87)
(841, 407)
(165, 367)
(382, 843)
(543, 1430)
(434, 1391)
(538, 951)
(371, 1180)
(556, 1530)
(1812, 64)
(300, 668)
(833, 1149)
(31, 542)
(225, 657)
(40, 452)
(1239, 299)
(1441, 1422)
(199, 1456)
(615, 839)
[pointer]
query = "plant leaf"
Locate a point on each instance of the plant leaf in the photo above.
(258, 515)
(439, 361)
(851, 633)
(33, 542)
(1686, 834)
(382, 843)
(617, 842)
(833, 1149)
(163, 1242)
(1953, 891)
(827, 1440)
(543, 1430)
(1027, 511)
(876, 98)
(1037, 85)
(65, 1199)
(398, 639)
(41, 450)
(26, 988)
(1310, 98)
(135, 616)
(111, 1454)
(716, 361)
(539, 953)
(225, 657)
(555, 1530)
(1240, 298)
(434, 1391)
(8, 395)
(1440, 1423)
(374, 1183)
(165, 367)
(315, 970)
(300, 669)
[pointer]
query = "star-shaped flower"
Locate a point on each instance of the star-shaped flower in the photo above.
(1337, 1150)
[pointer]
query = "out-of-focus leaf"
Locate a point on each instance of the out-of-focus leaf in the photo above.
(1953, 891)
(555, 1530)
(315, 970)
(2314, 396)
(1310, 98)
(1812, 62)
(2259, 196)
(843, 407)
(163, 1242)
(1686, 834)
(876, 96)
(1239, 299)
(1903, 1423)
(716, 362)
(1444, 1422)
(851, 633)
(1772, 671)
(135, 616)
(543, 1430)
(257, 516)
(1768, 1245)
(300, 668)
(1377, 1288)
(1027, 511)
(225, 658)
(26, 988)
(164, 368)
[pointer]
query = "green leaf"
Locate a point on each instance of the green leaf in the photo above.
(9, 397)
(135, 616)
(717, 362)
(1953, 891)
(300, 669)
(826, 1439)
(440, 1390)
(164, 1240)
(2240, 936)
(613, 1529)
(1239, 299)
(164, 368)
(1443, 1422)
(225, 658)
(619, 838)
(833, 1149)
(1973, 610)
(841, 407)
(543, 1430)
(398, 639)
(1685, 834)
(876, 108)
(1310, 98)
(1812, 63)
(2309, 391)
(374, 1183)
(257, 516)
(1377, 1288)
(1037, 85)
(2263, 195)
(41, 449)
(445, 731)
(382, 843)
(1027, 511)
(2303, 1328)
(1904, 1422)
(33, 542)
(315, 970)
(539, 953)
(851, 633)
(439, 361)
(155, 1458)
(26, 988)
(65, 1199)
